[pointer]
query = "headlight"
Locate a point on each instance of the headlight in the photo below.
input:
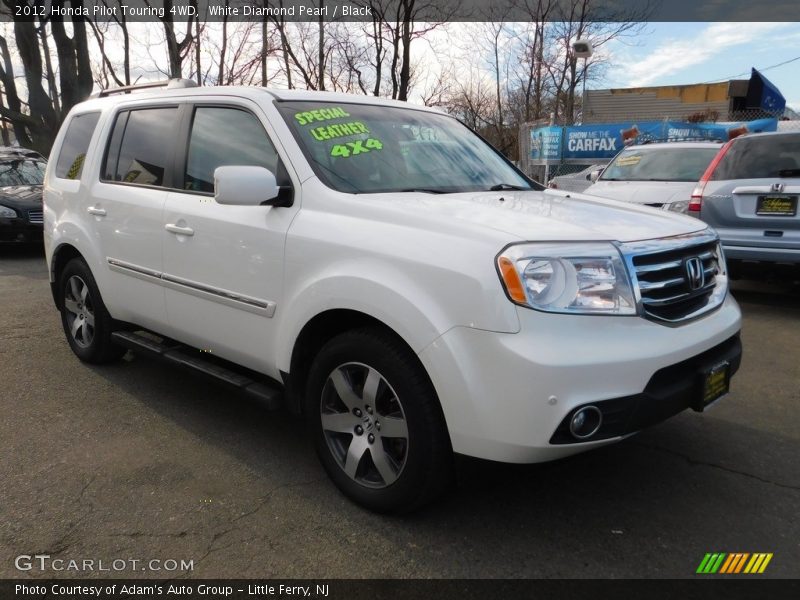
(579, 278)
(7, 213)
(681, 206)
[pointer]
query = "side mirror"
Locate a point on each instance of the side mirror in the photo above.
(245, 186)
(595, 175)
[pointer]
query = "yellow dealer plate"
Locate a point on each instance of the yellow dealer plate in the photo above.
(716, 383)
(777, 206)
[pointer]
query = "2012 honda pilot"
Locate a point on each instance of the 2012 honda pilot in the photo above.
(380, 269)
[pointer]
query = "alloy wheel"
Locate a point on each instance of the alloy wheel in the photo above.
(79, 311)
(364, 425)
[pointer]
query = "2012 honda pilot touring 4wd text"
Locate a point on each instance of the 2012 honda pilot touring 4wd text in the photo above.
(381, 270)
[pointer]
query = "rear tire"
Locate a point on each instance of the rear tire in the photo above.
(86, 322)
(377, 424)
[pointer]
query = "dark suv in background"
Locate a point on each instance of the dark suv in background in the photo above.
(21, 177)
(749, 194)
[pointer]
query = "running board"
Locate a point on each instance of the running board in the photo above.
(264, 390)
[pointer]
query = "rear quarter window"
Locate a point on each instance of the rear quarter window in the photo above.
(76, 142)
(763, 157)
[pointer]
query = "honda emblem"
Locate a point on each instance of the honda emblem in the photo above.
(695, 274)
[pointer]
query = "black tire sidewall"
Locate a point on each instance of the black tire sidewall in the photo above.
(429, 454)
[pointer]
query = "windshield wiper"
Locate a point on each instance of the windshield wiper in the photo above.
(505, 186)
(424, 190)
(789, 173)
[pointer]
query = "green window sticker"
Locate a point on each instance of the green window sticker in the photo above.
(337, 130)
(355, 148)
(320, 114)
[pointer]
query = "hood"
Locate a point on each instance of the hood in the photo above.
(550, 215)
(21, 196)
(643, 192)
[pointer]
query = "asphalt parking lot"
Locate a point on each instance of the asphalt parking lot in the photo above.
(140, 461)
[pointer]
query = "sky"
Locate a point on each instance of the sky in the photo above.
(684, 53)
(660, 54)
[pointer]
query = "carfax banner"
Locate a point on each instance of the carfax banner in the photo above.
(603, 141)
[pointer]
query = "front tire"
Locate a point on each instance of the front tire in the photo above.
(86, 322)
(376, 422)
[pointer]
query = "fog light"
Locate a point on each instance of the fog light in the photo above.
(585, 422)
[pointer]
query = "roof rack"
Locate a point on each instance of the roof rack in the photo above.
(170, 84)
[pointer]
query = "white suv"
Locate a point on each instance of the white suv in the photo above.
(380, 269)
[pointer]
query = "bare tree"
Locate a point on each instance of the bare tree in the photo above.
(472, 100)
(74, 68)
(595, 21)
(494, 38)
(348, 65)
(280, 26)
(395, 25)
(440, 90)
(36, 124)
(321, 54)
(101, 30)
(13, 113)
(265, 51)
(531, 57)
(198, 64)
(176, 50)
(49, 72)
(224, 45)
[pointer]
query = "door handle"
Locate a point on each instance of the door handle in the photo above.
(172, 228)
(98, 212)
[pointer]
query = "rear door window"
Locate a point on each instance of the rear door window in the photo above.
(761, 157)
(141, 147)
(76, 143)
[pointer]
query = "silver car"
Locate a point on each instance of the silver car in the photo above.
(749, 195)
(660, 175)
(576, 182)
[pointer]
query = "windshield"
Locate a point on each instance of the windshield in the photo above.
(660, 164)
(361, 148)
(22, 171)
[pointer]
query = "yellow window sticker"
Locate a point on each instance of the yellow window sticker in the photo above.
(629, 161)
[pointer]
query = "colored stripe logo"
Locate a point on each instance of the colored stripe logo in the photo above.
(734, 562)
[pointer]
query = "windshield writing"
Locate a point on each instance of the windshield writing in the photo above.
(366, 148)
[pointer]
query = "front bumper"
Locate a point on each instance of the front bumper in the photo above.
(670, 391)
(504, 396)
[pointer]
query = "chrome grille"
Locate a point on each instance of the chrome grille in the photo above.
(35, 216)
(668, 289)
